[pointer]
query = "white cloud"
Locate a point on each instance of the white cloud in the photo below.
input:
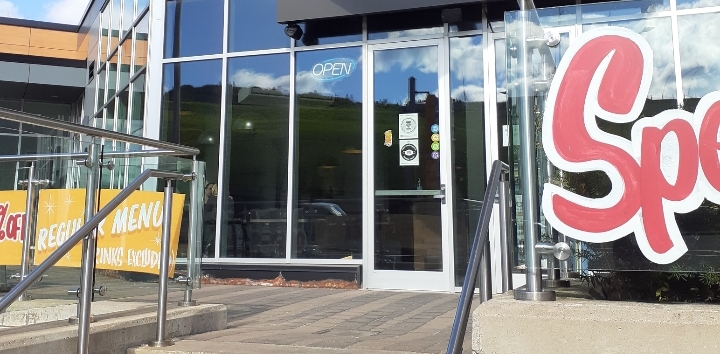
(467, 59)
(8, 9)
(65, 11)
(469, 93)
(421, 58)
(305, 83)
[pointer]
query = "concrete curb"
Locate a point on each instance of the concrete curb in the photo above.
(113, 333)
(573, 325)
(202, 347)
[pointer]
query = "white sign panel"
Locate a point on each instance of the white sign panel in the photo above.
(408, 126)
(409, 152)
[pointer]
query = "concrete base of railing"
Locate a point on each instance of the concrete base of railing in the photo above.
(112, 333)
(578, 325)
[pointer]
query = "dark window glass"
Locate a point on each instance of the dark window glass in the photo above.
(112, 75)
(331, 31)
(467, 90)
(327, 217)
(191, 116)
(253, 26)
(137, 112)
(193, 27)
(100, 92)
(256, 152)
(405, 24)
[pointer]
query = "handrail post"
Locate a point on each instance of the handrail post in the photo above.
(29, 230)
(505, 255)
(193, 234)
(89, 247)
(485, 275)
(160, 340)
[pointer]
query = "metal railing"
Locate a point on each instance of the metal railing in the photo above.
(87, 233)
(479, 261)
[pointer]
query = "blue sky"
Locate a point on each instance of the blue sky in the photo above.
(60, 11)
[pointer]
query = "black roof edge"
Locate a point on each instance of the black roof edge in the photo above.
(31, 59)
(39, 24)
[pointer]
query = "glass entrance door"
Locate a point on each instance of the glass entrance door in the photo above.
(408, 170)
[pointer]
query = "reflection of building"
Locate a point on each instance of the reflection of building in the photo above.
(295, 138)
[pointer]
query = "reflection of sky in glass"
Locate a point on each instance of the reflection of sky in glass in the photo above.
(658, 33)
(466, 69)
(624, 8)
(699, 53)
(394, 67)
(265, 71)
(690, 4)
(350, 86)
(500, 70)
(193, 73)
(253, 26)
(201, 23)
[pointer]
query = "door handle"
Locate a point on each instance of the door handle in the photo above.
(441, 196)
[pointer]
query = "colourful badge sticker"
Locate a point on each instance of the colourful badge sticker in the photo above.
(388, 138)
(435, 128)
(435, 155)
(435, 137)
(435, 146)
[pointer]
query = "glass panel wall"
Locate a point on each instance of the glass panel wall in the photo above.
(255, 154)
(327, 210)
(193, 27)
(191, 116)
(253, 26)
(467, 108)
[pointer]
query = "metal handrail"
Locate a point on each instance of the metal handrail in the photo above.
(81, 233)
(84, 155)
(480, 256)
(32, 119)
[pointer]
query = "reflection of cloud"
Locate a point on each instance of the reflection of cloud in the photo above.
(469, 93)
(304, 83)
(414, 32)
(466, 59)
(421, 58)
(250, 78)
(699, 53)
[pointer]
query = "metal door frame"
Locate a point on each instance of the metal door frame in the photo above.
(395, 279)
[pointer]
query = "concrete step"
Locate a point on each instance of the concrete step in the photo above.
(112, 333)
(207, 347)
(23, 313)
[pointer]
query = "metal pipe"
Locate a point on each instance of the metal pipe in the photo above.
(71, 242)
(83, 155)
(528, 167)
(462, 313)
(164, 268)
(485, 274)
(32, 119)
(552, 270)
(505, 259)
(193, 234)
(87, 268)
(30, 203)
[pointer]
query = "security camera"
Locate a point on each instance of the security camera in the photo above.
(293, 31)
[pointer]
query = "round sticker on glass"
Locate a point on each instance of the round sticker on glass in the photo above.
(435, 155)
(435, 146)
(435, 137)
(435, 129)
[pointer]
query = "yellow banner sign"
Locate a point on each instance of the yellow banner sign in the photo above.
(12, 224)
(129, 239)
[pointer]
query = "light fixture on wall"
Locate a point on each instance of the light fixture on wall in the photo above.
(206, 138)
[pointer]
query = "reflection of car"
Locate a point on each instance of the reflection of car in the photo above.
(321, 209)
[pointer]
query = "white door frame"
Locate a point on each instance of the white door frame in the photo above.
(394, 279)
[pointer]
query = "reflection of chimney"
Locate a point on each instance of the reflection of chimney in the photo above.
(411, 94)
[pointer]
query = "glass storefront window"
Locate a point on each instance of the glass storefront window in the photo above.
(112, 75)
(115, 17)
(104, 34)
(100, 91)
(191, 116)
(141, 5)
(193, 27)
(140, 41)
(327, 210)
(623, 8)
(253, 26)
(330, 31)
(256, 150)
(698, 56)
(467, 90)
(692, 4)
